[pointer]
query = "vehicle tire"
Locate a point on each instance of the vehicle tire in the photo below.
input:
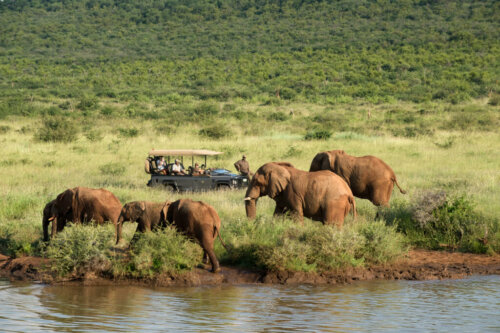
(170, 188)
(223, 187)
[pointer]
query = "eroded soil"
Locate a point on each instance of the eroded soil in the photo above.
(417, 265)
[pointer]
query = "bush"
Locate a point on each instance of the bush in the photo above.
(20, 238)
(206, 110)
(272, 244)
(57, 130)
(277, 116)
(128, 132)
(94, 135)
(318, 134)
(82, 248)
(165, 251)
(494, 100)
(216, 131)
(88, 103)
(4, 129)
(435, 221)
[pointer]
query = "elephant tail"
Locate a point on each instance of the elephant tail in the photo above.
(217, 231)
(353, 205)
(396, 182)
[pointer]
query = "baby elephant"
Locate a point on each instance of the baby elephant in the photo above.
(196, 220)
(147, 214)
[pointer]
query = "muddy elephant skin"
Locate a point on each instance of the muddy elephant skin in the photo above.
(368, 176)
(321, 196)
(147, 214)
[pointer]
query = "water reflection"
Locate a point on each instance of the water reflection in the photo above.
(464, 305)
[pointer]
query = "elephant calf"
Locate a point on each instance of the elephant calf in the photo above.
(147, 214)
(368, 176)
(196, 220)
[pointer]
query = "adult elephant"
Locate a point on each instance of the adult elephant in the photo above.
(146, 213)
(368, 176)
(83, 204)
(321, 196)
(198, 221)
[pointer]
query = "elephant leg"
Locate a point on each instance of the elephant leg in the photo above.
(207, 244)
(54, 228)
(297, 215)
(335, 212)
(205, 257)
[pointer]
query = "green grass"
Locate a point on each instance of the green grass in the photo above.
(456, 161)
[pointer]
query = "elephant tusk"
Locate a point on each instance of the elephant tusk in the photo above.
(248, 199)
(52, 218)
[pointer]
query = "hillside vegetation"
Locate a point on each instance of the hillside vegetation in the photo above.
(67, 55)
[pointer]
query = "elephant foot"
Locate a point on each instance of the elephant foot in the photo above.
(216, 270)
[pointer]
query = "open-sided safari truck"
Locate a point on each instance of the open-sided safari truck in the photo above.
(201, 179)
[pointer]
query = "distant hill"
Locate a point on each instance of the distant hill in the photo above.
(318, 51)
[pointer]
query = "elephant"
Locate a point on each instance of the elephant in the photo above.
(198, 221)
(147, 214)
(82, 204)
(321, 196)
(368, 176)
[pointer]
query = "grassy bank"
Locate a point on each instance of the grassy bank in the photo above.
(459, 161)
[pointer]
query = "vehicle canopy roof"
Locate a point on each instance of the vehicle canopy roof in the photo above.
(183, 152)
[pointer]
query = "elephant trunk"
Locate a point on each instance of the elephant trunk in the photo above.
(251, 208)
(119, 225)
(251, 197)
(54, 226)
(45, 226)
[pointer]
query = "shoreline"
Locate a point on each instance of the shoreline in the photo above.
(416, 265)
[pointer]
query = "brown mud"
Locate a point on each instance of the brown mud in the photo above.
(416, 265)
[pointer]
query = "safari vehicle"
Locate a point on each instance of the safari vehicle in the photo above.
(210, 179)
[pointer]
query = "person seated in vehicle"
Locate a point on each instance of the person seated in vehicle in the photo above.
(161, 165)
(177, 169)
(197, 171)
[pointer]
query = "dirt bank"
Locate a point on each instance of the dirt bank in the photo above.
(417, 265)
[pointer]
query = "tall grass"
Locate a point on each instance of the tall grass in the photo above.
(34, 172)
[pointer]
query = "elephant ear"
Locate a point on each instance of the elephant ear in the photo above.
(164, 213)
(279, 177)
(142, 206)
(65, 201)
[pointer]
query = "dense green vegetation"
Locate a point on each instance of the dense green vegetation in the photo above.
(82, 56)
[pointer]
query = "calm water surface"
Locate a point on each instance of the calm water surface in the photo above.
(469, 305)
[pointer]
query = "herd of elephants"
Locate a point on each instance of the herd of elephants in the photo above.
(325, 193)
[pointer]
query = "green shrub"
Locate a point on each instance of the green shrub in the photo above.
(4, 129)
(94, 135)
(435, 221)
(165, 251)
(82, 248)
(494, 100)
(277, 244)
(128, 132)
(206, 110)
(88, 103)
(57, 130)
(112, 169)
(216, 131)
(165, 129)
(318, 134)
(277, 116)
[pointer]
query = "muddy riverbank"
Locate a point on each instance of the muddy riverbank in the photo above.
(416, 265)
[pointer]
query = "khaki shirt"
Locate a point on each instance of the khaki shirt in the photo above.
(242, 166)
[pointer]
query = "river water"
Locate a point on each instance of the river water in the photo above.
(468, 305)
